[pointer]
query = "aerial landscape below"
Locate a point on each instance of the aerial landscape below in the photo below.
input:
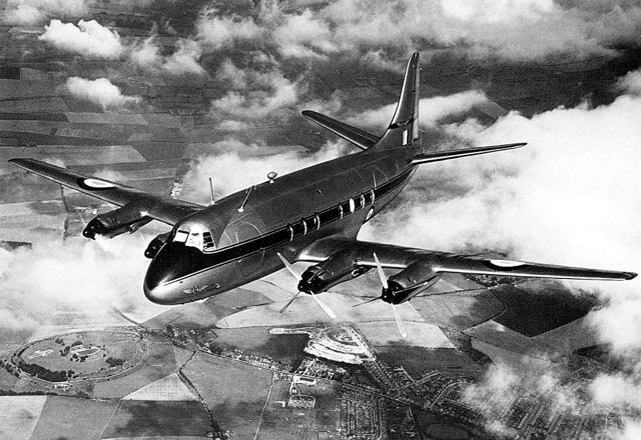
(196, 100)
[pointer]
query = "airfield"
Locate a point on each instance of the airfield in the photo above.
(232, 366)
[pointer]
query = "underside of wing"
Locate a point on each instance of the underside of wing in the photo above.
(160, 208)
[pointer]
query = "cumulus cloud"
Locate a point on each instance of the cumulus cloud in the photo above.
(217, 31)
(233, 156)
(431, 110)
(255, 94)
(576, 178)
(31, 12)
(99, 91)
(631, 83)
(516, 30)
(76, 275)
(184, 60)
(508, 29)
(304, 35)
(89, 38)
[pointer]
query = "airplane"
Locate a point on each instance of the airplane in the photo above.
(312, 215)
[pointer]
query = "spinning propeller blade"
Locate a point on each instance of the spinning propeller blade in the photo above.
(399, 323)
(296, 275)
(289, 266)
(289, 302)
(381, 275)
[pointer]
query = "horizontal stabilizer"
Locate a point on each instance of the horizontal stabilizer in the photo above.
(356, 136)
(455, 154)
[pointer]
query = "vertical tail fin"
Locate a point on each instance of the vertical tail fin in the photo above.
(403, 129)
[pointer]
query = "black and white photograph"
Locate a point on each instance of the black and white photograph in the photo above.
(320, 219)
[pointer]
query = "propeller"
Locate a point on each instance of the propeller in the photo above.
(296, 275)
(383, 278)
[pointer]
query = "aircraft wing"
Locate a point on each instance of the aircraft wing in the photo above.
(398, 257)
(160, 208)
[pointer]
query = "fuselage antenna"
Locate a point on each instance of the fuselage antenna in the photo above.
(211, 192)
(242, 207)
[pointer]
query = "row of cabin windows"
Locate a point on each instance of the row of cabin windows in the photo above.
(314, 222)
(297, 229)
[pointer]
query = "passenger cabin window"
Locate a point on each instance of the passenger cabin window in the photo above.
(360, 202)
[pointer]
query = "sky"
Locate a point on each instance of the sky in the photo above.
(570, 197)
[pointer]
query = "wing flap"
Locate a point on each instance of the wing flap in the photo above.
(160, 208)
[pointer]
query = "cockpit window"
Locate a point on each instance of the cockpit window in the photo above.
(195, 239)
(195, 235)
(181, 236)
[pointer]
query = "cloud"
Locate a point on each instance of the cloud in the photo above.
(32, 12)
(232, 155)
(72, 276)
(431, 110)
(255, 94)
(508, 29)
(631, 83)
(89, 38)
(304, 35)
(216, 31)
(184, 60)
(99, 91)
(515, 30)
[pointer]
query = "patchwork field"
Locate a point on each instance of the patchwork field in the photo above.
(234, 392)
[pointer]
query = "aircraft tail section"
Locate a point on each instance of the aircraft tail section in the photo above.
(403, 129)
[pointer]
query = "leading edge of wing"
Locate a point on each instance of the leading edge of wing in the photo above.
(160, 208)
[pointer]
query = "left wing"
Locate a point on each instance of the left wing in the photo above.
(160, 208)
(420, 267)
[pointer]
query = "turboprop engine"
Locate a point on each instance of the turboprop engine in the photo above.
(113, 223)
(336, 269)
(409, 282)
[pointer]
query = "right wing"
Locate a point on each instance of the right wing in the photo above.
(160, 208)
(398, 257)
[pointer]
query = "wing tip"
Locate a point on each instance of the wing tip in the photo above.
(627, 276)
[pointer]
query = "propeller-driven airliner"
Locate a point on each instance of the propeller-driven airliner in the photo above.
(312, 215)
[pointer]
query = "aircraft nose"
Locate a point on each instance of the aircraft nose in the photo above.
(173, 261)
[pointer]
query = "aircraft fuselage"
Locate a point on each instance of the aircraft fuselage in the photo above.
(248, 228)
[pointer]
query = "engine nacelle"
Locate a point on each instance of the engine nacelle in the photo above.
(156, 244)
(336, 269)
(409, 282)
(126, 219)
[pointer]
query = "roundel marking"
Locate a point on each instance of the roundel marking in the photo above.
(507, 263)
(504, 264)
(95, 184)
